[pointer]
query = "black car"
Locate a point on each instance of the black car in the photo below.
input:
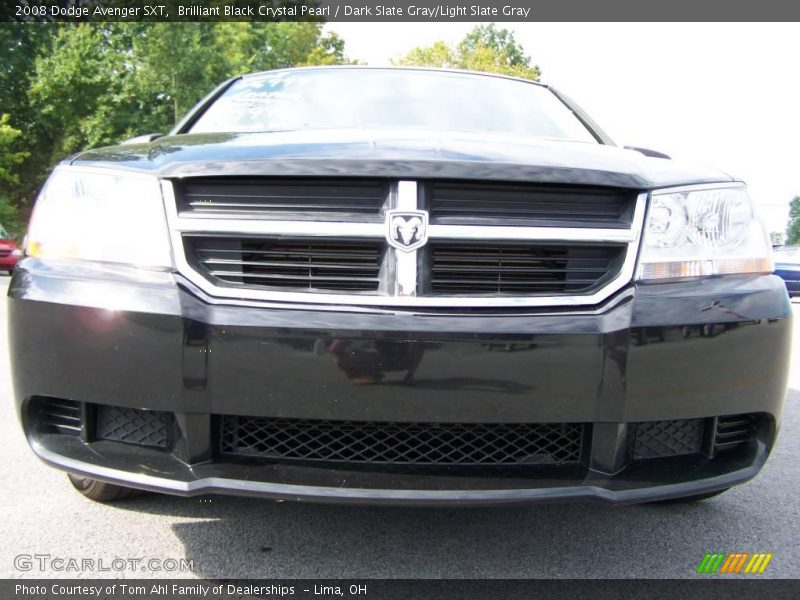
(787, 267)
(396, 286)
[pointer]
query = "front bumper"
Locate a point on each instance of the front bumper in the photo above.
(691, 351)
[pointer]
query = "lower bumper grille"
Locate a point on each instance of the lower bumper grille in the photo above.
(402, 443)
(57, 414)
(132, 426)
(734, 430)
(656, 439)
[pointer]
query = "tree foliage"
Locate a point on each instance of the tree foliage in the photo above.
(485, 48)
(10, 157)
(793, 226)
(68, 87)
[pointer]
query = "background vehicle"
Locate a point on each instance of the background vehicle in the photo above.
(9, 251)
(787, 267)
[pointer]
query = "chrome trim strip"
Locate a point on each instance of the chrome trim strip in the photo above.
(279, 227)
(406, 195)
(631, 237)
(539, 234)
(405, 283)
(696, 187)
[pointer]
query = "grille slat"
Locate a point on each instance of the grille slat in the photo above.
(328, 198)
(62, 415)
(535, 205)
(734, 430)
(313, 265)
(402, 443)
(277, 265)
(482, 268)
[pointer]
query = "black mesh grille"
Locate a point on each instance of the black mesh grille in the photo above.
(657, 439)
(57, 414)
(734, 430)
(521, 269)
(402, 443)
(133, 426)
(285, 198)
(454, 203)
(301, 265)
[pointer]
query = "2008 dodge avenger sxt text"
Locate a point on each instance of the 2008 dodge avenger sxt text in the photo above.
(397, 286)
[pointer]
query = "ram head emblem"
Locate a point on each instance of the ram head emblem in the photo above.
(407, 229)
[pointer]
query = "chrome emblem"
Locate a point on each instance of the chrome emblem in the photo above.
(407, 229)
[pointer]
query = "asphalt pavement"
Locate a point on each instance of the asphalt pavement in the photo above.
(239, 537)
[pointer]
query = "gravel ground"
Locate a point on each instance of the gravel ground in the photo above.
(239, 537)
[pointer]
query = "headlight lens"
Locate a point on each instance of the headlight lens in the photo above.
(699, 231)
(100, 215)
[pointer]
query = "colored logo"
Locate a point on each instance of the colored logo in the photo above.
(734, 562)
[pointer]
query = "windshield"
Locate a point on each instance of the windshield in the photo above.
(385, 98)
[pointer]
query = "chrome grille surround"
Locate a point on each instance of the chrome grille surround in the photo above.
(399, 286)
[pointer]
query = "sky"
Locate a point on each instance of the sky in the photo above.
(720, 94)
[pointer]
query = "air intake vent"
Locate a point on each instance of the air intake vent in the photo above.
(734, 430)
(521, 269)
(285, 198)
(55, 414)
(312, 265)
(133, 426)
(402, 443)
(475, 203)
(657, 439)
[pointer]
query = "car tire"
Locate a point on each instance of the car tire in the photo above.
(99, 491)
(695, 498)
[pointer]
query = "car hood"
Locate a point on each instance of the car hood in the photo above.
(399, 154)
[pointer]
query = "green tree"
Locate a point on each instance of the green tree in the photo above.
(10, 159)
(70, 86)
(20, 44)
(793, 226)
(485, 48)
(104, 82)
(776, 238)
(79, 88)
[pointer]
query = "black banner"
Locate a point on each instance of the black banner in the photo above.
(397, 10)
(406, 589)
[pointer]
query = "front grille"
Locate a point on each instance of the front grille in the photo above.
(734, 430)
(57, 414)
(402, 443)
(656, 439)
(468, 203)
(134, 426)
(521, 269)
(475, 245)
(338, 199)
(301, 265)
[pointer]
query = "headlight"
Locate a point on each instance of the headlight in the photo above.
(703, 230)
(100, 215)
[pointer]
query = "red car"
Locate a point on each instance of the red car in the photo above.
(9, 252)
